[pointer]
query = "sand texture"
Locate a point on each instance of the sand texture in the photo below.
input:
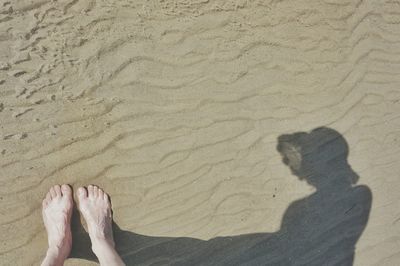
(226, 132)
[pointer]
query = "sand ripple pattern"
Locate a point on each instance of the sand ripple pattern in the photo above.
(174, 107)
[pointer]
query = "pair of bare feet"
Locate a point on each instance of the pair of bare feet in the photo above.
(95, 207)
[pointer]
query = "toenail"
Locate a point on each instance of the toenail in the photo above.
(81, 191)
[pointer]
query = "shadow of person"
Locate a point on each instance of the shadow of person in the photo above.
(324, 227)
(320, 229)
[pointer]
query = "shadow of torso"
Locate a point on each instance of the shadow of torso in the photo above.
(321, 229)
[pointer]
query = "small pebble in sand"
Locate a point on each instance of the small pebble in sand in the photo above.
(4, 66)
(51, 97)
(53, 129)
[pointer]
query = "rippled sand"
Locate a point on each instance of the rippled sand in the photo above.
(175, 109)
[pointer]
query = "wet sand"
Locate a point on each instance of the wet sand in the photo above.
(176, 109)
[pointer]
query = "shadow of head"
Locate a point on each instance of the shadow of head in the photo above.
(318, 156)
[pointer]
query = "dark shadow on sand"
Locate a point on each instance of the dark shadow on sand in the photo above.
(320, 229)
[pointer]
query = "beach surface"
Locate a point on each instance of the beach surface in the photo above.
(175, 108)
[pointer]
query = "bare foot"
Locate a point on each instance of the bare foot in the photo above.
(57, 211)
(95, 207)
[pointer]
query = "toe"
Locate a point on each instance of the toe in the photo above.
(91, 190)
(66, 190)
(95, 191)
(105, 197)
(57, 189)
(44, 203)
(100, 193)
(48, 197)
(53, 193)
(82, 193)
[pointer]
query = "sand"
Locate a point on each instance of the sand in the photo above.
(176, 109)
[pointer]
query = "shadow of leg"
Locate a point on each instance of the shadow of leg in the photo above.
(81, 244)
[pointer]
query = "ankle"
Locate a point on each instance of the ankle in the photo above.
(55, 256)
(100, 237)
(104, 249)
(100, 243)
